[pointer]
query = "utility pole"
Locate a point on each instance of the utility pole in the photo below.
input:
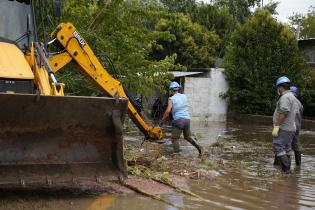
(262, 3)
(298, 29)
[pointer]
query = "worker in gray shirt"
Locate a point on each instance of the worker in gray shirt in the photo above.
(284, 123)
(298, 121)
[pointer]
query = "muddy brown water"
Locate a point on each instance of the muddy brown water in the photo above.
(248, 179)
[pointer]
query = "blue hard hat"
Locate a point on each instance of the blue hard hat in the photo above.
(295, 90)
(174, 86)
(282, 80)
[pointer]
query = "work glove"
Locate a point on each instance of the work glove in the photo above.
(275, 131)
(161, 123)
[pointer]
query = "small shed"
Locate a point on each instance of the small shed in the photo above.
(307, 46)
(204, 89)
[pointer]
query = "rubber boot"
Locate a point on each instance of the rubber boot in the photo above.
(289, 157)
(276, 162)
(175, 144)
(285, 162)
(297, 155)
(197, 146)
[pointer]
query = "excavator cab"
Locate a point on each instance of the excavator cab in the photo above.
(47, 139)
(17, 23)
(17, 32)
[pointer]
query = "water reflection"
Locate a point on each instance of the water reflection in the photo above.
(252, 182)
(206, 133)
(103, 202)
(176, 198)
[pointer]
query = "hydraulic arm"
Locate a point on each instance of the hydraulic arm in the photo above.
(76, 48)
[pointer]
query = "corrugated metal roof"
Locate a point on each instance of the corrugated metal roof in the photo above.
(184, 74)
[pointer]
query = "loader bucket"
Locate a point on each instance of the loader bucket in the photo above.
(60, 142)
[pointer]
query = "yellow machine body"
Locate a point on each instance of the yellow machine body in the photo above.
(77, 49)
(49, 140)
(13, 64)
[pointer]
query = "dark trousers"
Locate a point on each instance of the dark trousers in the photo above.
(182, 126)
(282, 143)
(295, 142)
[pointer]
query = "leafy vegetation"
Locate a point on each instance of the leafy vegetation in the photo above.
(240, 9)
(193, 45)
(218, 20)
(260, 51)
(148, 38)
(308, 94)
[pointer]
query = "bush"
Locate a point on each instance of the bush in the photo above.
(308, 95)
(260, 51)
(193, 45)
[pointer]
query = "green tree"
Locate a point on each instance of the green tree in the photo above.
(261, 50)
(123, 30)
(307, 31)
(272, 7)
(184, 6)
(308, 94)
(218, 20)
(240, 9)
(193, 44)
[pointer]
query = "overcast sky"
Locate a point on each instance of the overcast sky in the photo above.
(287, 7)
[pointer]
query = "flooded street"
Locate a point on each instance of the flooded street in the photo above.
(246, 177)
(251, 181)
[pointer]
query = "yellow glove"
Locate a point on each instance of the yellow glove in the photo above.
(275, 131)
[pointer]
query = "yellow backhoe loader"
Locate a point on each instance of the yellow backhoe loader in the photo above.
(47, 139)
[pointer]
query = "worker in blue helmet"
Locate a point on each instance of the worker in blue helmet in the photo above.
(298, 122)
(178, 106)
(284, 123)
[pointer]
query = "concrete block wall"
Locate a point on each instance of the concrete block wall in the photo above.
(205, 103)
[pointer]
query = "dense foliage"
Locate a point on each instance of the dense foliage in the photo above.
(261, 50)
(123, 31)
(308, 94)
(217, 19)
(307, 31)
(240, 9)
(146, 39)
(143, 39)
(193, 45)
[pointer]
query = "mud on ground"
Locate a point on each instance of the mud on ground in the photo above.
(157, 161)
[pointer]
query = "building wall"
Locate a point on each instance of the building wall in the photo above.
(309, 53)
(308, 49)
(205, 102)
